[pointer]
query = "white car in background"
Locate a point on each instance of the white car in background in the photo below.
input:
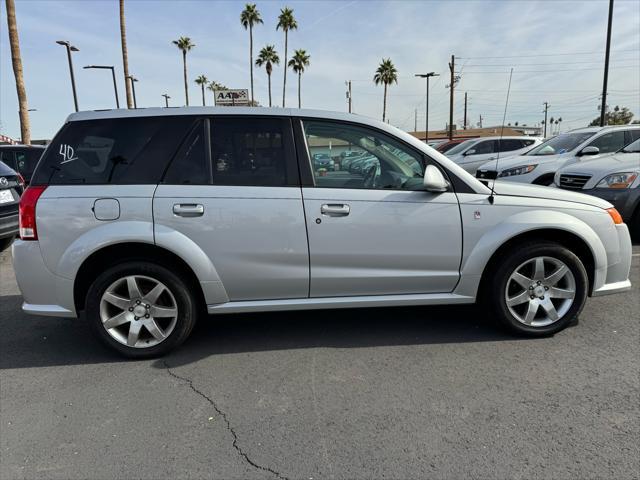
(539, 165)
(475, 152)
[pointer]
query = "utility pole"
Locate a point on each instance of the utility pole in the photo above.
(166, 99)
(452, 67)
(480, 123)
(546, 109)
(603, 108)
(465, 111)
(415, 120)
(349, 94)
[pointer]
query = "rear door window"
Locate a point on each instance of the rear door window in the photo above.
(609, 142)
(508, 145)
(7, 157)
(112, 151)
(481, 148)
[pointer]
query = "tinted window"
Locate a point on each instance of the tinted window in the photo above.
(121, 150)
(382, 162)
(632, 135)
(526, 143)
(609, 142)
(7, 157)
(190, 164)
(561, 144)
(483, 147)
(508, 145)
(252, 151)
(27, 159)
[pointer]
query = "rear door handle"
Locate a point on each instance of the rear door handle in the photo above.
(335, 209)
(188, 209)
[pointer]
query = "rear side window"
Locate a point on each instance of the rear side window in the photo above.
(112, 151)
(484, 147)
(27, 160)
(508, 145)
(6, 156)
(246, 151)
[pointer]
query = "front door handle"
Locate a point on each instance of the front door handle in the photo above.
(335, 209)
(188, 209)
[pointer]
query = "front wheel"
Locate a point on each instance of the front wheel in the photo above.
(538, 289)
(140, 309)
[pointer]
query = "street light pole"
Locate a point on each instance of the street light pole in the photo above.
(70, 48)
(133, 79)
(426, 119)
(113, 74)
(166, 99)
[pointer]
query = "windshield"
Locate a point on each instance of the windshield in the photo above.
(561, 144)
(460, 147)
(633, 147)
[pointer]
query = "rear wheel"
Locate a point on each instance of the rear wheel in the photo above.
(140, 309)
(539, 289)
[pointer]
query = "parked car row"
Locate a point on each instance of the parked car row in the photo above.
(166, 213)
(11, 188)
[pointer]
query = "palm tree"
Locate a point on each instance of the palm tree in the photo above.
(202, 80)
(213, 86)
(385, 74)
(297, 63)
(125, 56)
(249, 17)
(559, 122)
(16, 59)
(185, 44)
(268, 57)
(286, 22)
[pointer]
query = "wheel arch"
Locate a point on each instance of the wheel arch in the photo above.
(566, 238)
(118, 253)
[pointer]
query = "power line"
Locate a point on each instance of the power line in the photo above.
(548, 54)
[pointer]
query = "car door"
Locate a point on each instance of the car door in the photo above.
(376, 232)
(233, 190)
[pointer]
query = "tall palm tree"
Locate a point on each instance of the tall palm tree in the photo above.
(268, 57)
(185, 44)
(203, 81)
(286, 22)
(385, 74)
(16, 59)
(297, 63)
(213, 86)
(249, 17)
(125, 56)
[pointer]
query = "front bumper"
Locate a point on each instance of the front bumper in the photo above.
(625, 200)
(618, 264)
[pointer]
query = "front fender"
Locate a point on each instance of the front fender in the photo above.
(478, 251)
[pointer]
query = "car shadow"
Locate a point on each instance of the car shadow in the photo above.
(35, 341)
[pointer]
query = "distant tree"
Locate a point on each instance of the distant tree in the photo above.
(298, 62)
(619, 116)
(203, 81)
(286, 22)
(385, 74)
(516, 124)
(184, 44)
(268, 57)
(249, 17)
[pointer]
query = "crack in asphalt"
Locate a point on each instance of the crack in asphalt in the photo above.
(222, 414)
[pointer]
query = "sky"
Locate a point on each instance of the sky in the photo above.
(555, 47)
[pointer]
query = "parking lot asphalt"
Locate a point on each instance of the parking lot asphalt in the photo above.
(388, 393)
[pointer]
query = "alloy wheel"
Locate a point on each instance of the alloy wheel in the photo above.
(540, 291)
(138, 311)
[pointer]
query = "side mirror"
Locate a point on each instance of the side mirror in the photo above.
(434, 181)
(470, 152)
(589, 151)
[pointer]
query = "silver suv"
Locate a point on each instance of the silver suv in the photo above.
(146, 219)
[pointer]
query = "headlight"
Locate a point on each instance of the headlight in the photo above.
(517, 170)
(618, 180)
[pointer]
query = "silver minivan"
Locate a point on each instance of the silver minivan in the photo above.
(146, 219)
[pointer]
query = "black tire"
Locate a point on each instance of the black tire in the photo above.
(495, 287)
(5, 243)
(185, 302)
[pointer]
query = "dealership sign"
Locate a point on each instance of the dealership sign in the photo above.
(238, 98)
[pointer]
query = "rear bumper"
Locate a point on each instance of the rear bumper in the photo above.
(9, 226)
(43, 292)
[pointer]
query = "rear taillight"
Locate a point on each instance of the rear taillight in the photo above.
(28, 203)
